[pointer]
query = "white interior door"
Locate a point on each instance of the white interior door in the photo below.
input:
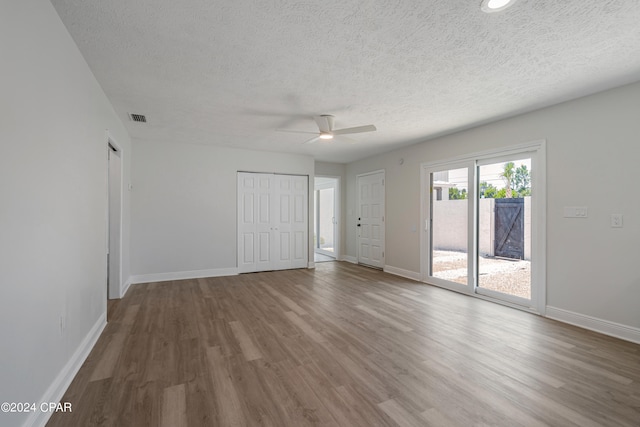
(370, 223)
(272, 222)
(114, 201)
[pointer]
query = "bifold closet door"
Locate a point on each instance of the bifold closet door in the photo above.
(272, 222)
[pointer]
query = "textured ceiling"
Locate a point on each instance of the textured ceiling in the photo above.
(232, 72)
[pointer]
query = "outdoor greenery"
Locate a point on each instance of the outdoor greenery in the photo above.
(507, 175)
(517, 184)
(522, 181)
(455, 194)
(488, 191)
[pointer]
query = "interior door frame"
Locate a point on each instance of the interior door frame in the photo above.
(336, 214)
(114, 288)
(537, 149)
(384, 209)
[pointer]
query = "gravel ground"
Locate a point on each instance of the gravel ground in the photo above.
(512, 277)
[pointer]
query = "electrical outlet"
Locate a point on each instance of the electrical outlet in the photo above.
(616, 220)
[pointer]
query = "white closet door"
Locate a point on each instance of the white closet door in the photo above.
(254, 222)
(272, 222)
(290, 222)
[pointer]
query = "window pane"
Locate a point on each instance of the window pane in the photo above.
(504, 228)
(449, 215)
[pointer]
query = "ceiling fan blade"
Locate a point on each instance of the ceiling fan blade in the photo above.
(324, 122)
(296, 131)
(357, 129)
(312, 140)
(345, 139)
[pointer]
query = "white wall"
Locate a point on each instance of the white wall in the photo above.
(593, 149)
(184, 206)
(53, 187)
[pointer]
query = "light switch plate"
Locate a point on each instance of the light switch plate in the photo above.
(576, 212)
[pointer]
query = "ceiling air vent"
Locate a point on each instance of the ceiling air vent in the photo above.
(137, 118)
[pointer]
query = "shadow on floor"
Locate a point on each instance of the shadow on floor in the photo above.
(322, 258)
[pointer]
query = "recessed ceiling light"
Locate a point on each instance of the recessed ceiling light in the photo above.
(490, 6)
(326, 135)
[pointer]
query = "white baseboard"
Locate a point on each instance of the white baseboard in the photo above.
(311, 264)
(407, 274)
(181, 275)
(125, 288)
(351, 259)
(59, 386)
(606, 327)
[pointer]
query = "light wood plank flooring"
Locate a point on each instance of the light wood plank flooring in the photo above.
(344, 345)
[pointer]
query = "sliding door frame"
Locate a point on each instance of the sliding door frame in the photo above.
(427, 275)
(537, 149)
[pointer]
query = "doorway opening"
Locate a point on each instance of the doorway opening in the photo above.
(326, 235)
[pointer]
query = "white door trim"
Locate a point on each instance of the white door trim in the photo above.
(114, 288)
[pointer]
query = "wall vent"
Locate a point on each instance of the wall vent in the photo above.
(137, 118)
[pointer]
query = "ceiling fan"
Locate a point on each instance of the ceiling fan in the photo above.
(326, 130)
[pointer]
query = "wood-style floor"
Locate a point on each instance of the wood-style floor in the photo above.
(344, 345)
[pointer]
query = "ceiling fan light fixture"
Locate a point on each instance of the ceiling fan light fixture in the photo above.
(326, 132)
(491, 6)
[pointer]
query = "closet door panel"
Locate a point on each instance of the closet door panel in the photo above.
(272, 222)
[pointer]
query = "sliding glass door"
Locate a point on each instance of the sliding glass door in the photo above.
(484, 227)
(504, 229)
(450, 226)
